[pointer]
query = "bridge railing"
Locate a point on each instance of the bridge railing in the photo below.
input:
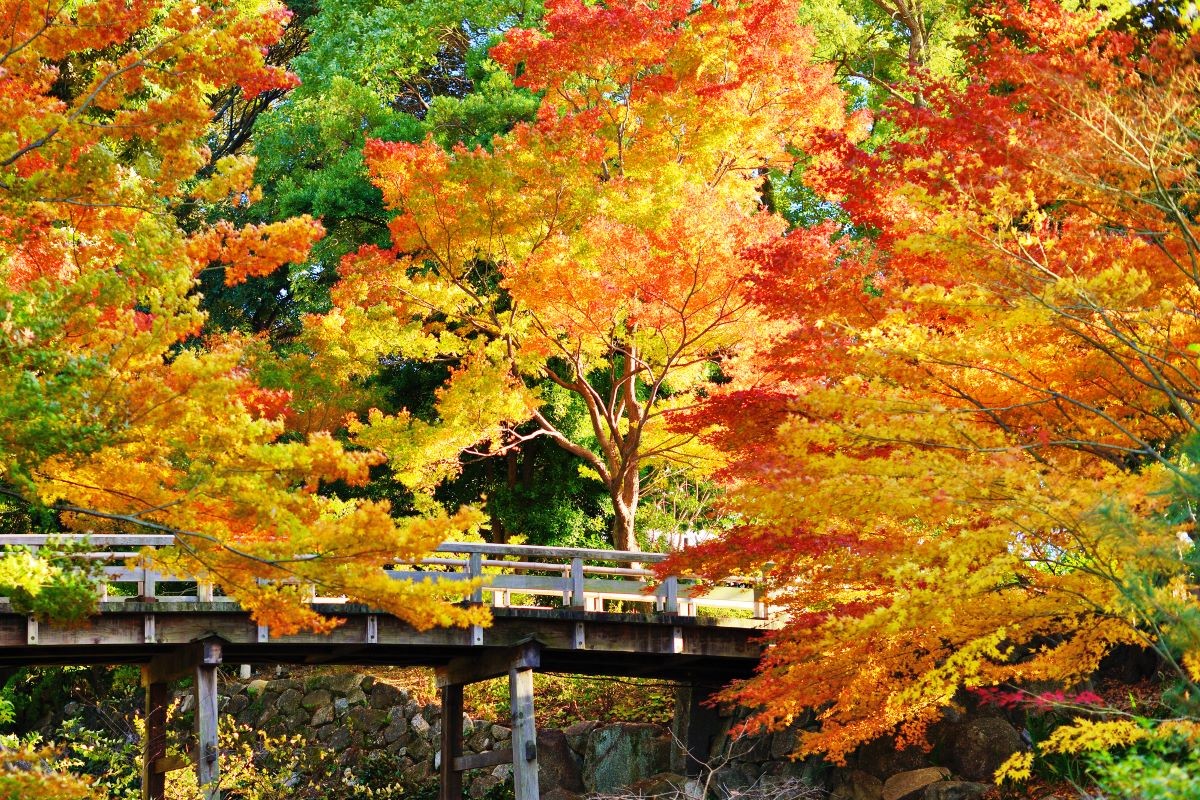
(512, 576)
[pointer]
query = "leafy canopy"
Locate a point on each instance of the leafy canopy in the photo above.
(112, 412)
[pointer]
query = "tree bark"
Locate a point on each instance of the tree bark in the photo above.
(625, 493)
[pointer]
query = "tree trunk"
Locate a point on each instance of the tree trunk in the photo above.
(625, 496)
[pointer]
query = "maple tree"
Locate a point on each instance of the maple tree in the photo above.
(384, 69)
(113, 414)
(969, 459)
(602, 248)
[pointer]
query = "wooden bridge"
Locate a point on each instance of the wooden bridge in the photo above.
(595, 612)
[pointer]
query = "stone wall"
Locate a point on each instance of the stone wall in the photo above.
(352, 716)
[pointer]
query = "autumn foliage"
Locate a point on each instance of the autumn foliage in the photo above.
(112, 411)
(969, 458)
(602, 250)
(954, 412)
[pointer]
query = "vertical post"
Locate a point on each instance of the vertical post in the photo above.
(154, 745)
(671, 595)
(760, 602)
(524, 733)
(475, 571)
(208, 767)
(452, 741)
(577, 599)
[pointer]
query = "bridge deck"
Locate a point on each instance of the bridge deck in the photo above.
(582, 642)
(575, 602)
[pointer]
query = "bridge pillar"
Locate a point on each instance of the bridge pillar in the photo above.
(154, 745)
(519, 662)
(524, 732)
(208, 765)
(695, 727)
(200, 660)
(452, 741)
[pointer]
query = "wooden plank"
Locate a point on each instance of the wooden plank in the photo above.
(491, 664)
(560, 553)
(418, 576)
(524, 733)
(154, 743)
(452, 741)
(718, 594)
(632, 590)
(99, 540)
(104, 629)
(171, 763)
(492, 758)
(14, 631)
(180, 661)
(208, 765)
(530, 584)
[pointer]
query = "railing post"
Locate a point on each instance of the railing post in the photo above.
(146, 586)
(577, 596)
(475, 572)
(671, 599)
(760, 603)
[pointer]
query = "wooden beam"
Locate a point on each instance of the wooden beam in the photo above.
(491, 664)
(492, 758)
(524, 732)
(452, 741)
(180, 661)
(170, 764)
(154, 742)
(208, 766)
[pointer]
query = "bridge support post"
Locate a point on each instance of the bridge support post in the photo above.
(694, 727)
(154, 746)
(452, 741)
(519, 662)
(208, 765)
(524, 732)
(201, 660)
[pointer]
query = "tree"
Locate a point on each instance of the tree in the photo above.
(113, 415)
(604, 247)
(387, 69)
(968, 459)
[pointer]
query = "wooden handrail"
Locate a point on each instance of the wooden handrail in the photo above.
(579, 585)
